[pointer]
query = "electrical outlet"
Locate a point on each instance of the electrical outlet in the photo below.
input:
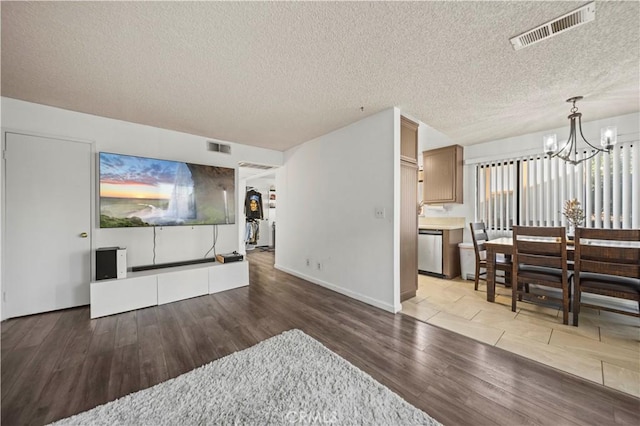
(319, 265)
(308, 262)
(379, 213)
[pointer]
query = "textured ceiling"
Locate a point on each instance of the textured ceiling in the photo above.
(278, 74)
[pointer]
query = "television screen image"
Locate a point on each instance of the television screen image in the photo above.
(140, 191)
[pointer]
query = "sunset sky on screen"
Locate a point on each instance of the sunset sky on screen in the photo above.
(123, 176)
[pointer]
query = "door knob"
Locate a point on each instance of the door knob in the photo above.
(84, 235)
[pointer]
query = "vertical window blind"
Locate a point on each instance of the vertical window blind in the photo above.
(532, 191)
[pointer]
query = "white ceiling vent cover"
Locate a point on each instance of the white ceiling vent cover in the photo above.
(255, 166)
(582, 15)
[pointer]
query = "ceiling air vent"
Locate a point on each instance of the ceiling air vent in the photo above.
(584, 14)
(218, 147)
(255, 166)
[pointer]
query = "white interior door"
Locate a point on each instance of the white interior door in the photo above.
(47, 249)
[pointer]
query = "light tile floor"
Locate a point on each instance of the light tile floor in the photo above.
(605, 348)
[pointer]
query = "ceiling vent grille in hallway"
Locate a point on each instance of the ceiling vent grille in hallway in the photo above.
(255, 166)
(584, 14)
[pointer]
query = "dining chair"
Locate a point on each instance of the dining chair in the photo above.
(540, 258)
(607, 263)
(480, 237)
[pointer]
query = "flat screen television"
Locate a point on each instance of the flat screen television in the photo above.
(140, 191)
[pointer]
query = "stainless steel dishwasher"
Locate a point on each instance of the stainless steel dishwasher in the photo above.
(430, 251)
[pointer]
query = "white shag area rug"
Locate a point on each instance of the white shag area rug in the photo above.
(287, 379)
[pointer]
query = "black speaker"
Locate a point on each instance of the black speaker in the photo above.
(111, 263)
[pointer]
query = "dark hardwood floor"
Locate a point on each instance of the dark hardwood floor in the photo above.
(61, 363)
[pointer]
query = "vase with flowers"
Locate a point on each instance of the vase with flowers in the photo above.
(574, 214)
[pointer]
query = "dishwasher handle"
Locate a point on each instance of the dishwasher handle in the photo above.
(429, 232)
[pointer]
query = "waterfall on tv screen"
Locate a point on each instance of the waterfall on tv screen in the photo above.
(181, 204)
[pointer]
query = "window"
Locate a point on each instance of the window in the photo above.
(497, 194)
(532, 190)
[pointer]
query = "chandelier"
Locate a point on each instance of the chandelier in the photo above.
(569, 151)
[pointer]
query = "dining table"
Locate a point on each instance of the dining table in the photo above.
(504, 245)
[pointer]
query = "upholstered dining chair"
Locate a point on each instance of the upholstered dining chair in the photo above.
(607, 263)
(480, 237)
(540, 257)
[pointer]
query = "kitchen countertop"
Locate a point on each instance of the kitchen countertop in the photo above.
(440, 227)
(441, 223)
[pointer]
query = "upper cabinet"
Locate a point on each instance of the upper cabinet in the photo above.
(443, 175)
(408, 140)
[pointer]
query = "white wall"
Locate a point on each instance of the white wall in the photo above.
(327, 192)
(430, 138)
(531, 143)
(172, 243)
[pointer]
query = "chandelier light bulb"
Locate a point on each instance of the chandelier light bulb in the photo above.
(608, 137)
(550, 143)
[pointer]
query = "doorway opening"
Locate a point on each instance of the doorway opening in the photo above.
(258, 218)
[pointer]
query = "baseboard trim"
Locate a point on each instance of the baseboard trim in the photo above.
(349, 293)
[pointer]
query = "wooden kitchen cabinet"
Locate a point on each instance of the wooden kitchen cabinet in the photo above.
(451, 253)
(408, 140)
(443, 177)
(408, 208)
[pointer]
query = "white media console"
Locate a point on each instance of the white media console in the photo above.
(159, 286)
